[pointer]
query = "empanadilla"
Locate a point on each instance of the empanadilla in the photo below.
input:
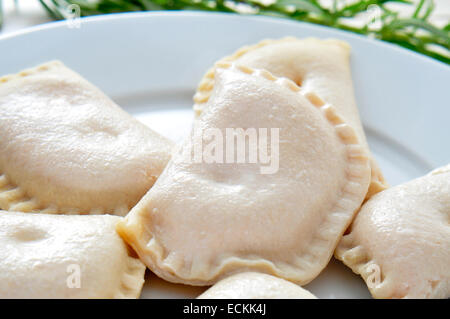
(60, 256)
(65, 147)
(319, 66)
(204, 221)
(253, 285)
(400, 240)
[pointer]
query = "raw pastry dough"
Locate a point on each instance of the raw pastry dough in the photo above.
(400, 240)
(253, 285)
(65, 147)
(202, 222)
(319, 66)
(42, 256)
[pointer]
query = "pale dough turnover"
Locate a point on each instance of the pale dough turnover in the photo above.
(319, 66)
(202, 222)
(61, 256)
(400, 240)
(253, 285)
(65, 147)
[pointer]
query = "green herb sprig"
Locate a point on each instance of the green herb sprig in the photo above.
(414, 32)
(1, 14)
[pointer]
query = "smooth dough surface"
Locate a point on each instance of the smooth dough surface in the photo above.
(65, 147)
(400, 240)
(42, 256)
(319, 66)
(253, 285)
(204, 221)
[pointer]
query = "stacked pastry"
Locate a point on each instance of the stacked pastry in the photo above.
(65, 148)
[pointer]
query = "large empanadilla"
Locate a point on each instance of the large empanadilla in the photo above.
(65, 147)
(203, 221)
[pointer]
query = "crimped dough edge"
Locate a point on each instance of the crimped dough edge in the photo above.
(132, 279)
(359, 260)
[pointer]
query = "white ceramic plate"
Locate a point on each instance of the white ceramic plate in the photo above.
(150, 63)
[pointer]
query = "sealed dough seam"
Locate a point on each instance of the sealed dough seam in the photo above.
(132, 280)
(13, 198)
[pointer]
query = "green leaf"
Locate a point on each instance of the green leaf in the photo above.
(299, 5)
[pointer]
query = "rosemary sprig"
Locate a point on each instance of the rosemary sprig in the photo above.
(414, 32)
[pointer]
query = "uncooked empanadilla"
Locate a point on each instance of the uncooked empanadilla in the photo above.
(65, 147)
(203, 221)
(254, 285)
(61, 256)
(319, 66)
(400, 240)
